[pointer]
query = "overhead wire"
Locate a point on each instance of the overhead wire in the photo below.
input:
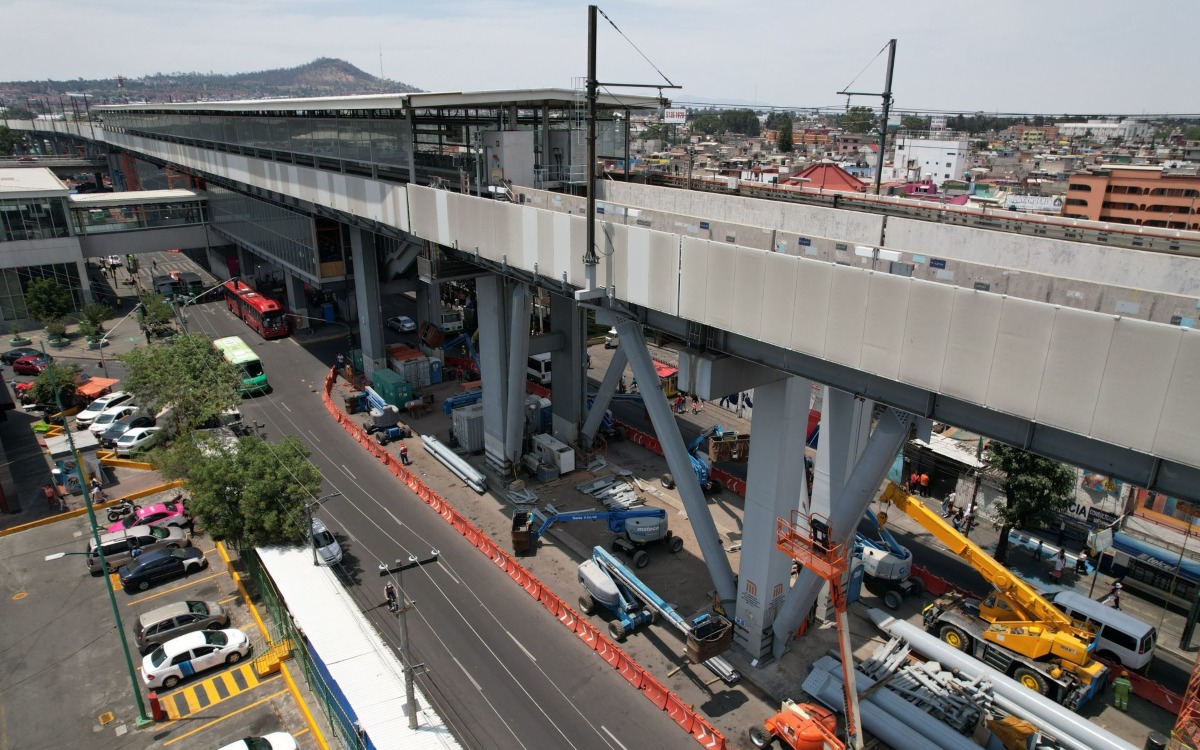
(635, 47)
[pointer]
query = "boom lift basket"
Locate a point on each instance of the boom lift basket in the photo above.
(709, 636)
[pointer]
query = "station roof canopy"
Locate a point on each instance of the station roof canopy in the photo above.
(558, 98)
(29, 182)
(138, 197)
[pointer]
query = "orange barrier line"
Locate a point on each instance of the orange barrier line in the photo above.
(689, 721)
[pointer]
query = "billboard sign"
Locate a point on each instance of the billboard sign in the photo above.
(1044, 203)
(674, 116)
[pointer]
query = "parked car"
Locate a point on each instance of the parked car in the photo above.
(97, 407)
(123, 425)
(32, 365)
(156, 627)
(402, 323)
(110, 415)
(150, 568)
(118, 546)
(272, 741)
(137, 440)
(181, 657)
(12, 355)
(326, 543)
(170, 513)
(113, 260)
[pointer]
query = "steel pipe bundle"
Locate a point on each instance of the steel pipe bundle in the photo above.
(455, 463)
(1071, 730)
(827, 688)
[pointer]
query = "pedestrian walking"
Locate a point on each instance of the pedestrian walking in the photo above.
(633, 386)
(154, 265)
(1081, 562)
(621, 387)
(695, 404)
(679, 403)
(1038, 555)
(924, 485)
(914, 483)
(1062, 531)
(1122, 687)
(1113, 597)
(404, 454)
(968, 523)
(1060, 562)
(948, 504)
(51, 496)
(97, 495)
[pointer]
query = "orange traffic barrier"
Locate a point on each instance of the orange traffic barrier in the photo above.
(608, 652)
(705, 734)
(587, 633)
(680, 713)
(631, 671)
(654, 691)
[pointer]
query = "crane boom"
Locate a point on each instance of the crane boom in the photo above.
(1021, 619)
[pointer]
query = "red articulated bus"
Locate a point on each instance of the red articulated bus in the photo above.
(263, 314)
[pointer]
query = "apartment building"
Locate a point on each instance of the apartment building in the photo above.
(1151, 196)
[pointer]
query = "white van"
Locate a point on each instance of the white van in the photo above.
(1120, 637)
(538, 368)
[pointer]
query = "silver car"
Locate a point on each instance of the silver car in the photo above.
(160, 625)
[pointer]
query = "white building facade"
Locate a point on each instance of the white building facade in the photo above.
(933, 159)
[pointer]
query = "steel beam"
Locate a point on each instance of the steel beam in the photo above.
(600, 402)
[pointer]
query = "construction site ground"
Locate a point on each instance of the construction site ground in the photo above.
(681, 579)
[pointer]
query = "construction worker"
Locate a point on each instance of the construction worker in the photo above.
(404, 454)
(1122, 687)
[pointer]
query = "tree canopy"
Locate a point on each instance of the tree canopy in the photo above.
(64, 376)
(1035, 489)
(190, 375)
(46, 300)
(246, 493)
(784, 142)
(9, 139)
(156, 316)
(744, 121)
(857, 119)
(913, 122)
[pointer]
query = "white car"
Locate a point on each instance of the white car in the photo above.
(110, 415)
(97, 407)
(114, 260)
(137, 439)
(402, 323)
(182, 657)
(272, 741)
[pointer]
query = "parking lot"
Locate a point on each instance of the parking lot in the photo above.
(67, 682)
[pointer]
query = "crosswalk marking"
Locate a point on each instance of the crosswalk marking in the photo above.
(221, 687)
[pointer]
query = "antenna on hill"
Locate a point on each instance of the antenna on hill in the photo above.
(381, 60)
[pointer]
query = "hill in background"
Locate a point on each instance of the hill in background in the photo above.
(322, 77)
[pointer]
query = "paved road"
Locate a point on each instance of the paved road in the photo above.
(497, 668)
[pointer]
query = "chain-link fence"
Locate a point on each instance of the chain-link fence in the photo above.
(340, 726)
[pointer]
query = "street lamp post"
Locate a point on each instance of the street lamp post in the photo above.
(142, 720)
(401, 612)
(104, 340)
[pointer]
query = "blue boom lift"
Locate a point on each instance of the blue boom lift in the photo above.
(887, 566)
(610, 585)
(699, 465)
(638, 527)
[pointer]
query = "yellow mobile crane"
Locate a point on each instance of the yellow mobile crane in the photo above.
(1015, 629)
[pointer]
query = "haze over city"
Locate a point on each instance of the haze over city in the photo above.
(1069, 57)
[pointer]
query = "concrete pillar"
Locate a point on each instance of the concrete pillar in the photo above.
(608, 386)
(493, 363)
(297, 302)
(678, 460)
(518, 353)
(365, 256)
(775, 486)
(860, 489)
(85, 283)
(568, 368)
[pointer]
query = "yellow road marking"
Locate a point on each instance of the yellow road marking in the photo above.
(218, 720)
(227, 680)
(164, 592)
(226, 599)
(302, 731)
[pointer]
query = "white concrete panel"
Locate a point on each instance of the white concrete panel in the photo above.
(1177, 437)
(779, 295)
(1140, 365)
(847, 315)
(576, 249)
(560, 259)
(970, 344)
(1022, 341)
(693, 279)
(663, 272)
(544, 248)
(926, 334)
(722, 276)
(441, 201)
(463, 223)
(810, 319)
(640, 261)
(883, 332)
(1078, 351)
(747, 288)
(422, 212)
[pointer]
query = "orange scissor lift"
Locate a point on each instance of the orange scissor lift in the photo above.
(807, 539)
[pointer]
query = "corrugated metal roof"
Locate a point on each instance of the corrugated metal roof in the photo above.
(367, 670)
(33, 181)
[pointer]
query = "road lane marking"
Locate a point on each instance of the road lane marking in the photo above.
(349, 473)
(614, 737)
(521, 646)
(468, 674)
(284, 405)
(310, 432)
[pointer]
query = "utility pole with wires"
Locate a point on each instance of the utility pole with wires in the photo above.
(887, 106)
(401, 612)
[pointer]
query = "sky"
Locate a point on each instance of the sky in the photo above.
(1020, 56)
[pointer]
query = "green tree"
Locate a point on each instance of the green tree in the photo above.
(1035, 489)
(858, 119)
(654, 132)
(46, 299)
(913, 122)
(9, 139)
(157, 316)
(91, 320)
(744, 121)
(64, 376)
(775, 120)
(1193, 133)
(191, 376)
(708, 123)
(784, 141)
(247, 493)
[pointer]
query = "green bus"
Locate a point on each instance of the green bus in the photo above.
(237, 353)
